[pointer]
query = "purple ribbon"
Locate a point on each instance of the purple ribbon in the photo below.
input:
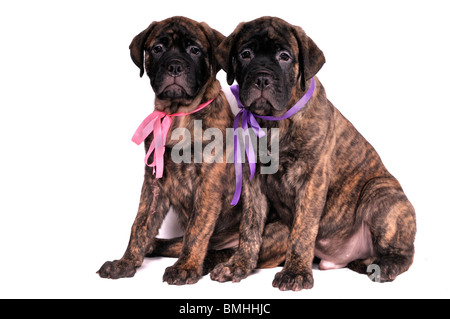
(248, 119)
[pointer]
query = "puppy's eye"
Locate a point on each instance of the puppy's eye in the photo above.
(246, 54)
(158, 49)
(194, 50)
(284, 56)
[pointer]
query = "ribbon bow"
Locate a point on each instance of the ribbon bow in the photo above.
(159, 123)
(248, 119)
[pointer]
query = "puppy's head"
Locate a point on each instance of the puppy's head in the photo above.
(270, 59)
(178, 56)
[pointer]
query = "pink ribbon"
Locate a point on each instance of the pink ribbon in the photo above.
(159, 123)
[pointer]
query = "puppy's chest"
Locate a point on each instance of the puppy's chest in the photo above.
(281, 193)
(281, 187)
(291, 166)
(182, 173)
(180, 183)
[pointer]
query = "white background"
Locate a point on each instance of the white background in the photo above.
(71, 98)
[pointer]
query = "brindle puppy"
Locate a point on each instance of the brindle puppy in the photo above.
(178, 56)
(332, 189)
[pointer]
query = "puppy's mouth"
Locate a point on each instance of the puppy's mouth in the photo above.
(173, 89)
(260, 102)
(260, 106)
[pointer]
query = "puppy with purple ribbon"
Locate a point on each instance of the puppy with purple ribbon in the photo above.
(331, 189)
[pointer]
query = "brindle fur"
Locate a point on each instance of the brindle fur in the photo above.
(200, 193)
(332, 188)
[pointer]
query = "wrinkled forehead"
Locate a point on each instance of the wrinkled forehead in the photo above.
(177, 31)
(266, 35)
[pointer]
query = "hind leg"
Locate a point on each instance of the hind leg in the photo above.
(274, 245)
(392, 222)
(172, 248)
(272, 253)
(167, 247)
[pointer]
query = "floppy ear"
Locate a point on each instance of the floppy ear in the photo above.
(311, 58)
(214, 38)
(226, 51)
(137, 47)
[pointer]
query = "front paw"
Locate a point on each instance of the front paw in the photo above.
(291, 280)
(117, 269)
(231, 271)
(181, 275)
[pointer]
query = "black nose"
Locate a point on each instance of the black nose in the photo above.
(263, 81)
(175, 68)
